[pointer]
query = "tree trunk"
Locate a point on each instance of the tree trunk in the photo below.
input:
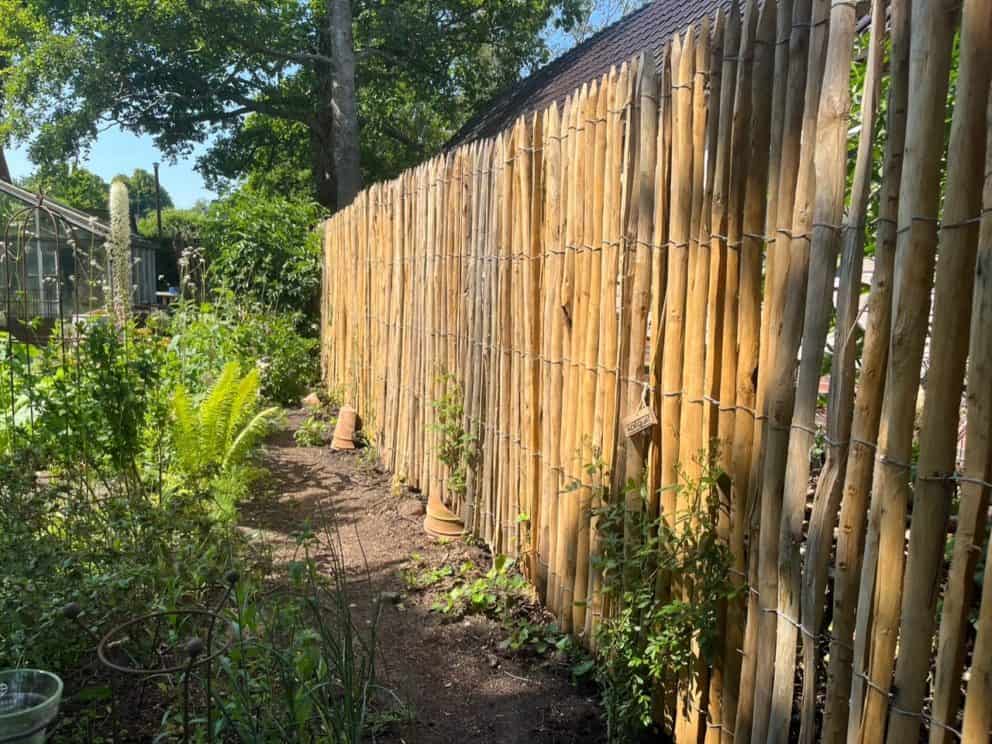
(4, 170)
(322, 159)
(347, 166)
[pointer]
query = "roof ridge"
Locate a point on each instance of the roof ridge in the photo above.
(584, 62)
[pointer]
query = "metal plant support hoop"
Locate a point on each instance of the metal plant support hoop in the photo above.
(165, 660)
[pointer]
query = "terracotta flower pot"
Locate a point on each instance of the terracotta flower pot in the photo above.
(441, 521)
(344, 432)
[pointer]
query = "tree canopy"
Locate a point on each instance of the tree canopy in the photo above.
(141, 190)
(255, 76)
(71, 184)
(81, 188)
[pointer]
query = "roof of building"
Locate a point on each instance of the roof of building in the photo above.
(645, 29)
(77, 218)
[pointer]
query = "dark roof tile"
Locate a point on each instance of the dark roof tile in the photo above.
(646, 29)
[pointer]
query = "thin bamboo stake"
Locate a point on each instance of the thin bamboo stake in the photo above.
(738, 719)
(689, 700)
(786, 338)
(826, 500)
(472, 361)
(534, 266)
(658, 276)
(575, 277)
(930, 49)
(678, 264)
(720, 49)
(974, 504)
(691, 441)
(933, 492)
(595, 155)
(972, 512)
(512, 504)
(828, 206)
(604, 426)
(712, 305)
(551, 340)
(530, 400)
(724, 703)
(978, 706)
(563, 309)
(504, 492)
(490, 469)
(867, 408)
(641, 215)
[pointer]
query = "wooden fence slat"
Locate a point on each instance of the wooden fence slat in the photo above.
(828, 206)
(932, 492)
(881, 584)
(777, 525)
(972, 514)
(826, 500)
(604, 427)
(724, 708)
(711, 351)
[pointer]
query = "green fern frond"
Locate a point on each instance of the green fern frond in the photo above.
(224, 428)
(186, 431)
(215, 412)
(244, 402)
(250, 435)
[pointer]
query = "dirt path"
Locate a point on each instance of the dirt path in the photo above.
(455, 683)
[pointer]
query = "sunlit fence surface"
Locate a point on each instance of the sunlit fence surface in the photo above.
(666, 268)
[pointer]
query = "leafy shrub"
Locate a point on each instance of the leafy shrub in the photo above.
(89, 399)
(264, 248)
(88, 509)
(181, 226)
(287, 359)
(457, 446)
(208, 336)
(651, 639)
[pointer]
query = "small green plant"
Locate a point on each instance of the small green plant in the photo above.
(457, 446)
(224, 427)
(502, 593)
(313, 431)
(653, 638)
(493, 593)
(425, 578)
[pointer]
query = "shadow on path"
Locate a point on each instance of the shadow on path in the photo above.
(451, 676)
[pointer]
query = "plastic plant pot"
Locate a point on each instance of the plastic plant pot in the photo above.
(29, 701)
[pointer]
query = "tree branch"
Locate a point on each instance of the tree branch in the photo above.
(394, 133)
(299, 57)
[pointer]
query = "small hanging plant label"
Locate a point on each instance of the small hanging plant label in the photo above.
(640, 420)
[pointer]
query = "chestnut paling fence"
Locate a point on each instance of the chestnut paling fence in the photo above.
(687, 238)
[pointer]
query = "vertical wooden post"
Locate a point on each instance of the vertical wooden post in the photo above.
(840, 408)
(933, 492)
(930, 47)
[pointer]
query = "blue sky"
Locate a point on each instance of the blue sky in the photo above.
(116, 151)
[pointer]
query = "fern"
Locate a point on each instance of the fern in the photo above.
(246, 393)
(249, 436)
(224, 428)
(185, 432)
(215, 411)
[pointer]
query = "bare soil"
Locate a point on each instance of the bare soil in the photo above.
(451, 679)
